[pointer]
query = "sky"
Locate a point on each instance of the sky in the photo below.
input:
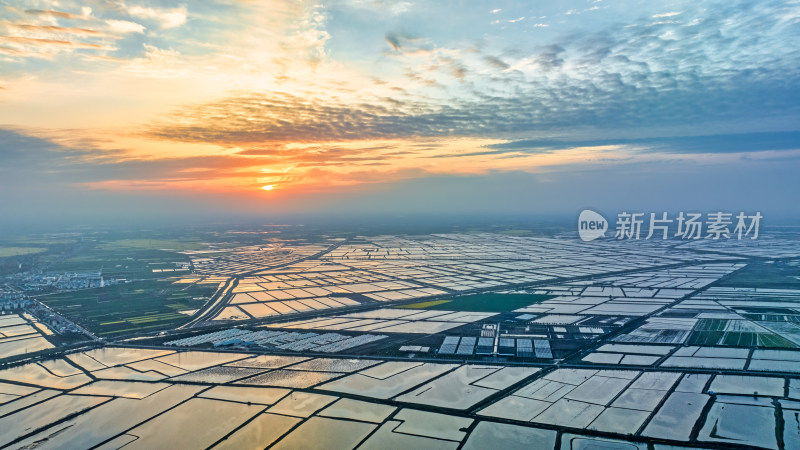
(266, 108)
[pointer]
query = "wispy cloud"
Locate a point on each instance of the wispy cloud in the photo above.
(28, 40)
(702, 144)
(667, 14)
(52, 13)
(166, 18)
(125, 26)
(53, 29)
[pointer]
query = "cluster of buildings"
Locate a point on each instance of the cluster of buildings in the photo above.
(55, 321)
(12, 301)
(68, 281)
(17, 302)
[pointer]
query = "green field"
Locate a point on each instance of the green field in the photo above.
(44, 241)
(739, 339)
(488, 302)
(778, 275)
(19, 251)
(139, 306)
(713, 332)
(127, 263)
(711, 325)
(176, 245)
(149, 301)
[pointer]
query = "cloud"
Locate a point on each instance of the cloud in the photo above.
(608, 105)
(157, 63)
(48, 34)
(12, 51)
(66, 160)
(79, 162)
(400, 7)
(710, 144)
(668, 14)
(394, 42)
(52, 13)
(54, 29)
(402, 42)
(382, 6)
(495, 62)
(49, 42)
(342, 94)
(125, 26)
(75, 175)
(166, 18)
(500, 195)
(283, 117)
(28, 158)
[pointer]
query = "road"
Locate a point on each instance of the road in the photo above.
(220, 298)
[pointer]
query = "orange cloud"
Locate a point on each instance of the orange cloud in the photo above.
(52, 13)
(55, 42)
(54, 29)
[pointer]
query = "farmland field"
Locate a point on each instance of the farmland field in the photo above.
(776, 275)
(139, 306)
(736, 333)
(19, 251)
(120, 263)
(487, 302)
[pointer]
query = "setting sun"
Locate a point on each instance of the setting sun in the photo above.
(268, 187)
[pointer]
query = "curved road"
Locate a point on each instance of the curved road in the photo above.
(220, 299)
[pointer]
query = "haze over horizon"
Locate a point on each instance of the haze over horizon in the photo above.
(160, 110)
